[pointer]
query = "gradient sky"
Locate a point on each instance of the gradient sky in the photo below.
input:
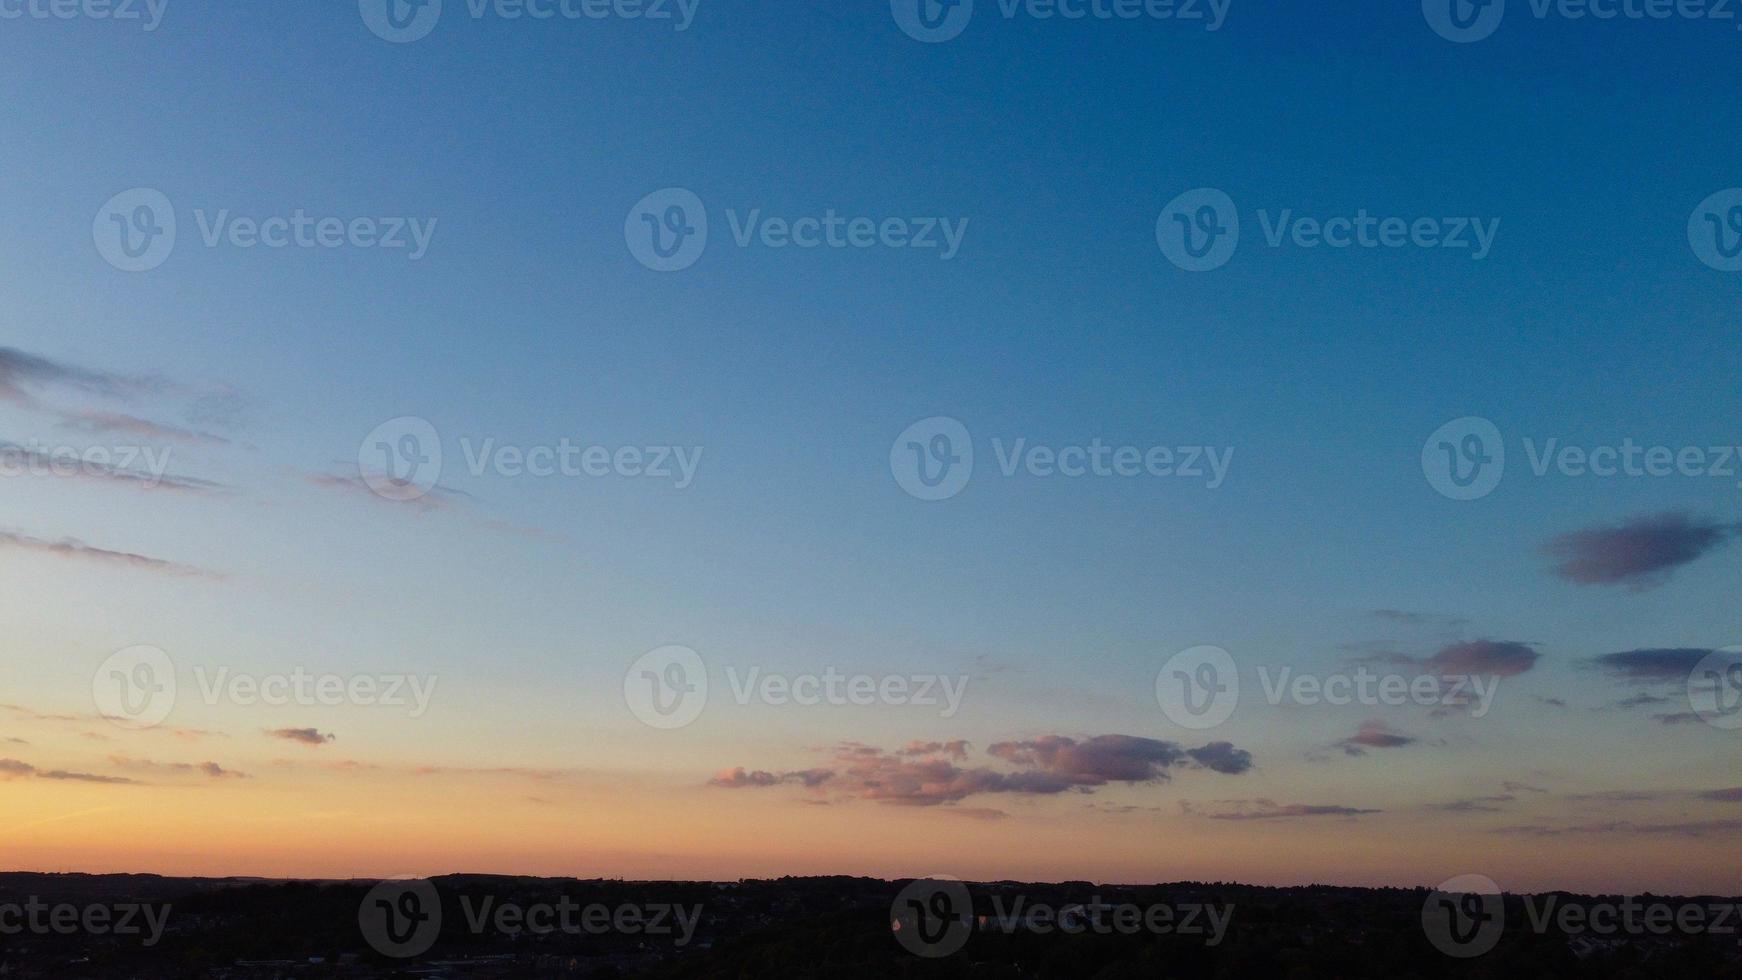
(529, 320)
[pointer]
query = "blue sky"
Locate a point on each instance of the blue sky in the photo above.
(1059, 322)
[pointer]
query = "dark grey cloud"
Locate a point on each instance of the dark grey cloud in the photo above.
(1651, 666)
(306, 736)
(931, 773)
(1117, 758)
(1269, 810)
(1221, 757)
(1640, 554)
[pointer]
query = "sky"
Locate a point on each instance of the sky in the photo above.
(998, 262)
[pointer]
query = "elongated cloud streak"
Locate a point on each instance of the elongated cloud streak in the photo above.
(76, 549)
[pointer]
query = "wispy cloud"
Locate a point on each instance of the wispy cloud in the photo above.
(69, 465)
(95, 422)
(740, 778)
(27, 380)
(24, 375)
(73, 548)
(211, 770)
(1683, 828)
(15, 769)
(1262, 809)
(304, 736)
(1486, 658)
(1422, 620)
(1475, 804)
